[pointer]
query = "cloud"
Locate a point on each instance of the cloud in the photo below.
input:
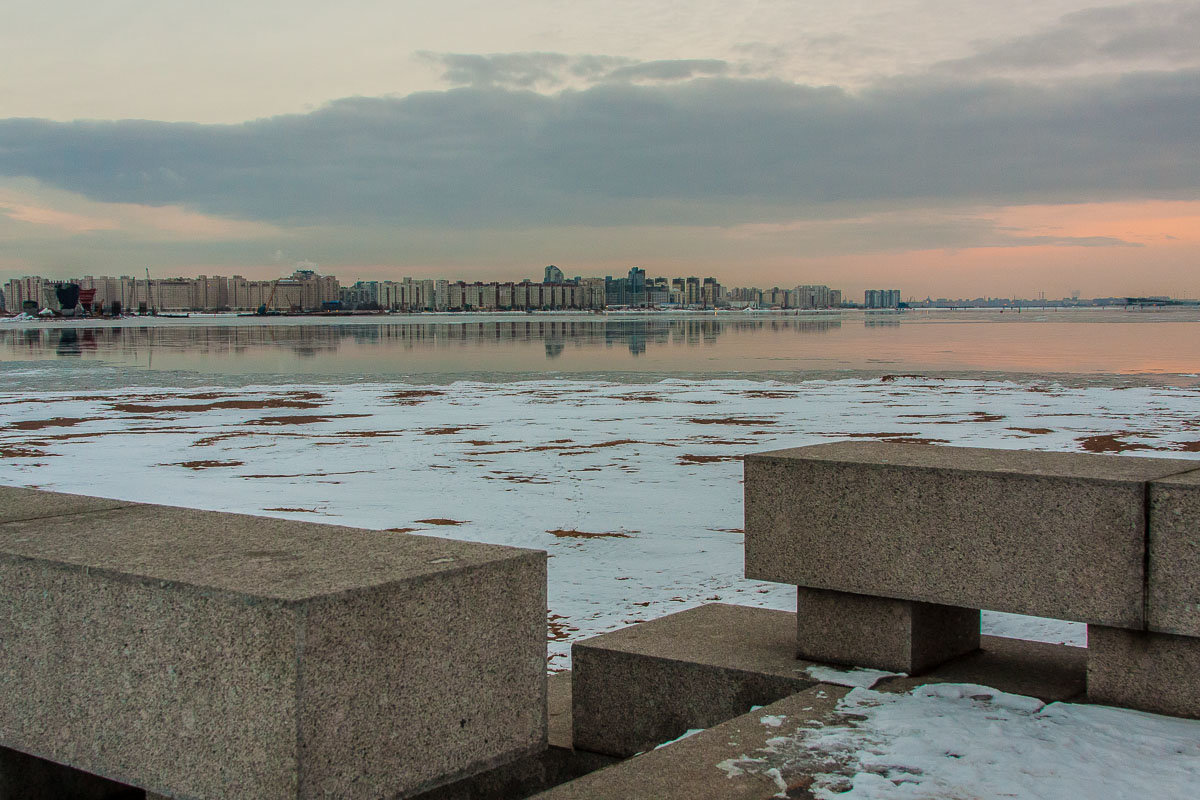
(520, 70)
(708, 151)
(672, 70)
(548, 71)
(1118, 36)
(40, 211)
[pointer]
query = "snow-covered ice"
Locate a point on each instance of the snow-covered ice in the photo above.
(963, 740)
(634, 489)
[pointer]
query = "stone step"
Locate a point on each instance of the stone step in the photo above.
(648, 683)
(715, 763)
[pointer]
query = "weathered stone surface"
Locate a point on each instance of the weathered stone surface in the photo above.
(648, 683)
(18, 503)
(1149, 671)
(1173, 588)
(1051, 534)
(534, 773)
(881, 633)
(214, 655)
(692, 768)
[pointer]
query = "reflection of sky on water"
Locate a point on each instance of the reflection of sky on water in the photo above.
(517, 343)
(381, 349)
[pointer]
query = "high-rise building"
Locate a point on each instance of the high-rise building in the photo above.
(553, 275)
(881, 298)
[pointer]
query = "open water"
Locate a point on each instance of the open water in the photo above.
(1162, 346)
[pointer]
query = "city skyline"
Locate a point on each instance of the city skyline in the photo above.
(1039, 147)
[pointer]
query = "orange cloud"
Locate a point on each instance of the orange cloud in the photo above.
(55, 218)
(73, 214)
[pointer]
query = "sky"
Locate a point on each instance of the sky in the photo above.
(950, 148)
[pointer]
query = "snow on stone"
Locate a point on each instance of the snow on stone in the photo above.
(857, 677)
(686, 734)
(633, 489)
(962, 740)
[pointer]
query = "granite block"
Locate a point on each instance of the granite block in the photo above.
(1173, 585)
(18, 503)
(881, 633)
(212, 655)
(1057, 535)
(701, 766)
(648, 683)
(1149, 671)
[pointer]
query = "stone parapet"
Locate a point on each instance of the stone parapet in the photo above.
(1048, 534)
(214, 655)
(895, 548)
(1173, 583)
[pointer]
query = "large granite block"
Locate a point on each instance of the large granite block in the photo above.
(1050, 534)
(646, 684)
(1173, 588)
(207, 655)
(18, 503)
(880, 633)
(738, 759)
(1149, 671)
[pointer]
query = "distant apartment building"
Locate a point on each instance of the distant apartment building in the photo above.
(881, 298)
(744, 297)
(443, 295)
(30, 289)
(304, 290)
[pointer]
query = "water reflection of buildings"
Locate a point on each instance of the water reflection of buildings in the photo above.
(638, 334)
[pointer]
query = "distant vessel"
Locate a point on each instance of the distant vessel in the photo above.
(68, 298)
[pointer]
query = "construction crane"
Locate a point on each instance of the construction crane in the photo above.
(264, 309)
(150, 293)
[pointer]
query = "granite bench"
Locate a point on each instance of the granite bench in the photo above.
(895, 548)
(209, 655)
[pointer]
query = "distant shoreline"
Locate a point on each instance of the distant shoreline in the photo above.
(905, 316)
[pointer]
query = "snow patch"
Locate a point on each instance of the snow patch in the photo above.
(857, 677)
(963, 740)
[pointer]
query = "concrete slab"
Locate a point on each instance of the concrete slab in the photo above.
(1173, 586)
(703, 765)
(1148, 671)
(651, 682)
(881, 633)
(1050, 534)
(18, 503)
(213, 655)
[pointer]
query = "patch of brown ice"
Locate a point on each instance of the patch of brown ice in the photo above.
(571, 533)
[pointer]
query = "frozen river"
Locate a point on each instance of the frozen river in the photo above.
(626, 472)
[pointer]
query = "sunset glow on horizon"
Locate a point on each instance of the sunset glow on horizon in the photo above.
(950, 151)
